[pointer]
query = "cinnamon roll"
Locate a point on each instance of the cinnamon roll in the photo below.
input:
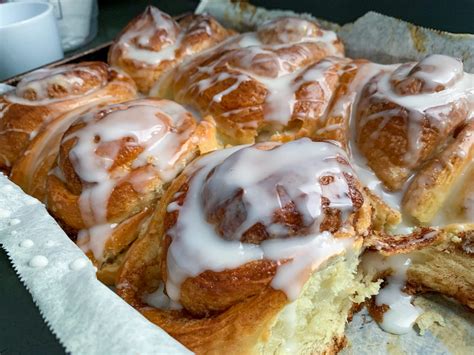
(272, 84)
(153, 43)
(262, 239)
(428, 260)
(405, 115)
(44, 95)
(113, 165)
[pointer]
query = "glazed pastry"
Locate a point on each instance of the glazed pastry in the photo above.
(31, 170)
(113, 166)
(254, 249)
(443, 190)
(428, 260)
(154, 43)
(406, 114)
(363, 120)
(267, 85)
(42, 96)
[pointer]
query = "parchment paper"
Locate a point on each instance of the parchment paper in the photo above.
(88, 318)
(85, 315)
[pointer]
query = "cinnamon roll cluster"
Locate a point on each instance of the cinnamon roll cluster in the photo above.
(233, 206)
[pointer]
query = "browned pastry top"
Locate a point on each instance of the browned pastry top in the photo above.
(114, 163)
(63, 82)
(241, 214)
(42, 96)
(153, 43)
(405, 114)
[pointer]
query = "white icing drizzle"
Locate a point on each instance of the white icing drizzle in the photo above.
(402, 314)
(47, 142)
(138, 44)
(294, 167)
(348, 103)
(290, 30)
(40, 80)
(281, 83)
(161, 128)
(160, 300)
(94, 239)
(253, 56)
(439, 70)
(135, 41)
(38, 262)
(27, 243)
(14, 221)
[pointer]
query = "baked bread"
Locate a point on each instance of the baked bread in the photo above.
(268, 85)
(257, 248)
(113, 166)
(428, 260)
(45, 94)
(153, 43)
(404, 115)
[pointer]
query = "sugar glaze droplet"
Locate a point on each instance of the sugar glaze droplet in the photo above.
(27, 243)
(78, 264)
(38, 261)
(15, 221)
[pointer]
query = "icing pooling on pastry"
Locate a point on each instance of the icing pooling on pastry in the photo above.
(155, 37)
(436, 71)
(402, 314)
(152, 39)
(262, 177)
(275, 57)
(160, 128)
(45, 86)
(279, 75)
(443, 84)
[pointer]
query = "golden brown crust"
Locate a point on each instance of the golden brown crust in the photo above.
(335, 124)
(388, 244)
(31, 169)
(441, 261)
(38, 101)
(397, 138)
(237, 330)
(239, 103)
(191, 35)
(436, 181)
(445, 267)
(230, 309)
(132, 197)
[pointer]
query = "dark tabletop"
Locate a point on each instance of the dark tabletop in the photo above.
(22, 330)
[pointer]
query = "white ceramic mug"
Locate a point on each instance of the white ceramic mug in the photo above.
(29, 37)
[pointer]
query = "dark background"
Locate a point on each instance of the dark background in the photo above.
(22, 330)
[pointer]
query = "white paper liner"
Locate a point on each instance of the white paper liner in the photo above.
(84, 314)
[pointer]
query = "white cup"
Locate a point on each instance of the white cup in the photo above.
(29, 37)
